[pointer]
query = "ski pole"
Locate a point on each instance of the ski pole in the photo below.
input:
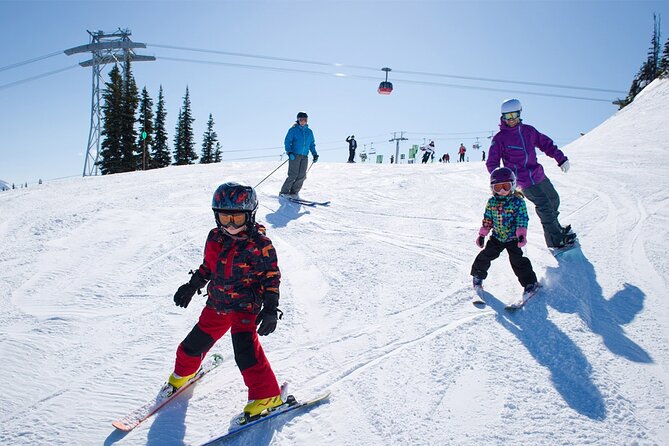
(270, 174)
(312, 165)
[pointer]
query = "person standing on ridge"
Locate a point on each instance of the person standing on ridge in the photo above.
(299, 142)
(352, 145)
(461, 151)
(515, 146)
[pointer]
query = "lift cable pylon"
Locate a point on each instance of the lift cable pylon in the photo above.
(105, 48)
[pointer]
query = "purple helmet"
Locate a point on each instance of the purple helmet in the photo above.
(502, 175)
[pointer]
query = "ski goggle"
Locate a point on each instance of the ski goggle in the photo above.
(510, 115)
(236, 219)
(499, 187)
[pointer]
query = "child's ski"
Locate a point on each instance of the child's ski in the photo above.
(141, 414)
(523, 300)
(478, 296)
(291, 405)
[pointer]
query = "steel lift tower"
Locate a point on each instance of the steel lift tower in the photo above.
(105, 48)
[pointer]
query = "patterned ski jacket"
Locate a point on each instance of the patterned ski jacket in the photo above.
(504, 215)
(300, 140)
(515, 147)
(243, 272)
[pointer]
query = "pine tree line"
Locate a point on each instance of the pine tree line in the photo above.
(134, 138)
(653, 67)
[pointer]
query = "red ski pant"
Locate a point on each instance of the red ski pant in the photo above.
(249, 355)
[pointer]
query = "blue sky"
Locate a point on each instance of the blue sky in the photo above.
(44, 123)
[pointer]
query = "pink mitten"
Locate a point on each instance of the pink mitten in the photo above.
(480, 240)
(521, 233)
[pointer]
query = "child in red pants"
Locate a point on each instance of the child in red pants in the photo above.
(240, 265)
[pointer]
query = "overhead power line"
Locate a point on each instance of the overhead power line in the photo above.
(375, 69)
(358, 76)
(39, 76)
(26, 62)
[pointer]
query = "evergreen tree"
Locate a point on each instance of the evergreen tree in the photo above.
(111, 155)
(130, 152)
(664, 62)
(160, 153)
(179, 158)
(218, 154)
(650, 68)
(184, 143)
(209, 139)
(145, 125)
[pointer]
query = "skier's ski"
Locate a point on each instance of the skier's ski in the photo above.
(291, 405)
(308, 202)
(141, 414)
(523, 300)
(477, 300)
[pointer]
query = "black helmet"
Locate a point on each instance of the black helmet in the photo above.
(234, 197)
(302, 115)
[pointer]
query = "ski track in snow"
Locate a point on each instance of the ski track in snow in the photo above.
(376, 293)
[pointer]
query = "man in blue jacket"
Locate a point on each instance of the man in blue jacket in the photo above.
(299, 142)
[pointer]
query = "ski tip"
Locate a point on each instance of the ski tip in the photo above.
(122, 427)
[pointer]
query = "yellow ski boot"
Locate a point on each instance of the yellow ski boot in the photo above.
(256, 408)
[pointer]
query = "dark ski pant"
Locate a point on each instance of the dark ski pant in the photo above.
(521, 265)
(351, 155)
(297, 173)
(249, 355)
(547, 202)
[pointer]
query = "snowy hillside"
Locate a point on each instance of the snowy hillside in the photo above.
(376, 295)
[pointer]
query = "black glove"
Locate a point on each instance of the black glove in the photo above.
(315, 158)
(184, 294)
(268, 316)
(186, 291)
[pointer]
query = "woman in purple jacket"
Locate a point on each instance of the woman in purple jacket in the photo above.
(515, 145)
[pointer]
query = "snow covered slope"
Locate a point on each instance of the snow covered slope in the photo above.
(375, 292)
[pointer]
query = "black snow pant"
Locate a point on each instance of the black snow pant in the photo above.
(521, 265)
(297, 173)
(547, 202)
(351, 155)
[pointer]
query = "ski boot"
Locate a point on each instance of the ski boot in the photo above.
(174, 383)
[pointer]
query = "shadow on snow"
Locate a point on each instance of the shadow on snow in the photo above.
(572, 288)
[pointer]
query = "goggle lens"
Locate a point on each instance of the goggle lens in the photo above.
(236, 220)
(499, 187)
(510, 115)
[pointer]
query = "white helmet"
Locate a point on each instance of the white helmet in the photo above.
(511, 105)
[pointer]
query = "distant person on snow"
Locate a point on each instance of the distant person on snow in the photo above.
(482, 155)
(240, 265)
(429, 152)
(299, 142)
(352, 145)
(515, 145)
(506, 215)
(461, 151)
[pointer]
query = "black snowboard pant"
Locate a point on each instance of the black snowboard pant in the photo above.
(351, 155)
(521, 265)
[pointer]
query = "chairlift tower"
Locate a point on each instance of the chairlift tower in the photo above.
(105, 48)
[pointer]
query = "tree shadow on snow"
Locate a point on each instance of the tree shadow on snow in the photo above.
(287, 212)
(573, 288)
(569, 368)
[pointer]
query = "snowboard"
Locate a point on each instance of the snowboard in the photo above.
(239, 423)
(144, 412)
